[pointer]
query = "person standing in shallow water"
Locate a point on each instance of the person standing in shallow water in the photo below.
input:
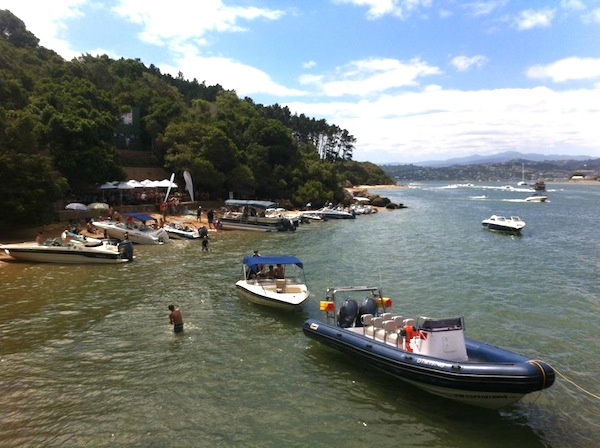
(176, 319)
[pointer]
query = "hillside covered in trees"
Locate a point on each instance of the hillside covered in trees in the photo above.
(69, 126)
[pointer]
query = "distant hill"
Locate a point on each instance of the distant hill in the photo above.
(512, 170)
(497, 158)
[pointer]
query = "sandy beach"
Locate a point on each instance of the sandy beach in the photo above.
(54, 230)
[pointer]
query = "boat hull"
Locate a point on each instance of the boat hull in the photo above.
(503, 378)
(258, 224)
(501, 228)
(260, 295)
(63, 254)
(159, 236)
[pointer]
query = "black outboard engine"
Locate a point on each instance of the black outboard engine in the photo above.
(347, 313)
(368, 306)
(126, 249)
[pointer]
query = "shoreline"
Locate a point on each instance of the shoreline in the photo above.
(54, 230)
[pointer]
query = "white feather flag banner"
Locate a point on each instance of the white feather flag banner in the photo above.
(170, 185)
(188, 184)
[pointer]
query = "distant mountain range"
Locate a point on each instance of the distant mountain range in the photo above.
(495, 158)
(505, 167)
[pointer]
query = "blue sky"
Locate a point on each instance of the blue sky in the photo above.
(412, 80)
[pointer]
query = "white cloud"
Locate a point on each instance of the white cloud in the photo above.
(568, 69)
(309, 64)
(576, 5)
(398, 8)
(46, 20)
(412, 127)
(464, 63)
(592, 17)
(484, 8)
(179, 21)
(230, 74)
(530, 18)
(368, 76)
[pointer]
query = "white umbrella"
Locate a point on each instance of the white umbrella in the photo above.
(135, 184)
(129, 185)
(108, 186)
(76, 206)
(166, 183)
(98, 206)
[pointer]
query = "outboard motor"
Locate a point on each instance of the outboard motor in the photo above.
(347, 313)
(126, 249)
(368, 306)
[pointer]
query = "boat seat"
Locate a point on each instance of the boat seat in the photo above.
(386, 316)
(280, 285)
(376, 323)
(390, 332)
(399, 320)
(367, 321)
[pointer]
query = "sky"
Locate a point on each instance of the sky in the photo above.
(411, 80)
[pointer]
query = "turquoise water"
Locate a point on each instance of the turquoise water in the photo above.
(87, 357)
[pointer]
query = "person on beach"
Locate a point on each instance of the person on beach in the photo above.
(176, 319)
(199, 214)
(210, 216)
(40, 238)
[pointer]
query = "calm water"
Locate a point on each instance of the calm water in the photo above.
(87, 357)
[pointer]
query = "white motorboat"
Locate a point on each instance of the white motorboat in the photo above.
(140, 227)
(536, 198)
(331, 212)
(285, 289)
(512, 224)
(58, 251)
(312, 215)
(181, 230)
(242, 214)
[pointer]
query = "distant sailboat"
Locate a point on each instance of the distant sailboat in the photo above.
(522, 176)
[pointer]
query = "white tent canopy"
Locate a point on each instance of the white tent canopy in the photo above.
(130, 184)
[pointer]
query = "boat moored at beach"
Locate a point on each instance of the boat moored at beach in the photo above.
(275, 281)
(242, 214)
(430, 353)
(181, 230)
(140, 228)
(71, 252)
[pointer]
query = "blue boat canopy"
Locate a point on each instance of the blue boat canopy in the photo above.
(250, 203)
(252, 262)
(144, 217)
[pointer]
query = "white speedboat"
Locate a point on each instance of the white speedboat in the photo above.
(536, 198)
(181, 230)
(141, 228)
(58, 251)
(242, 214)
(430, 353)
(285, 289)
(330, 212)
(512, 224)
